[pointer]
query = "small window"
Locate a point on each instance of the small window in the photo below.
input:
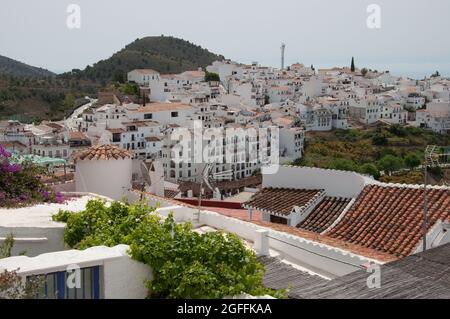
(148, 116)
(174, 114)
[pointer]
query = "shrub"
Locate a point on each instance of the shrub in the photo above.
(21, 184)
(344, 165)
(185, 264)
(370, 169)
(379, 139)
(412, 160)
(390, 163)
(211, 77)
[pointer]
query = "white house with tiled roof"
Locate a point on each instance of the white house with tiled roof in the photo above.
(143, 77)
(104, 170)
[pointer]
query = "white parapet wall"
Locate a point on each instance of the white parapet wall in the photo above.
(121, 276)
(334, 182)
(33, 229)
(323, 259)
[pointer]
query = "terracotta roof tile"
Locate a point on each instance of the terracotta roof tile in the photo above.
(103, 152)
(281, 200)
(324, 214)
(389, 219)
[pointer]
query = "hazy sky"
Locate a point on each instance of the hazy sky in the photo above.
(413, 39)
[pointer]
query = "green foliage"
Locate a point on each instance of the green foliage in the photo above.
(364, 71)
(163, 54)
(15, 68)
(370, 169)
(69, 101)
(185, 264)
(211, 77)
(352, 66)
(62, 216)
(6, 247)
(118, 77)
(390, 163)
(379, 139)
(130, 89)
(364, 148)
(344, 165)
(412, 160)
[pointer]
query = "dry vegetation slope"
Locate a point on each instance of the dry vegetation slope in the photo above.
(372, 150)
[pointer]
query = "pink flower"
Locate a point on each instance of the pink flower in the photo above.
(4, 152)
(14, 168)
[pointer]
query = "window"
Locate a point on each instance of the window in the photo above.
(174, 114)
(54, 285)
(148, 116)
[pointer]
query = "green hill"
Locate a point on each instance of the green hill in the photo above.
(10, 67)
(163, 54)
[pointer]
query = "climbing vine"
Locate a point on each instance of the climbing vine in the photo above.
(185, 264)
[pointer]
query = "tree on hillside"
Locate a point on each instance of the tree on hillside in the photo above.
(69, 101)
(343, 164)
(364, 71)
(211, 77)
(118, 77)
(412, 160)
(379, 139)
(436, 74)
(370, 169)
(390, 163)
(352, 66)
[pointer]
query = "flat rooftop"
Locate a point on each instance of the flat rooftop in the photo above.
(41, 215)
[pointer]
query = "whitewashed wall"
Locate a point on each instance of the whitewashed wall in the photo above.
(111, 178)
(34, 240)
(122, 276)
(323, 259)
(335, 183)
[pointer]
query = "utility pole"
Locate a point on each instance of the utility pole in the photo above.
(425, 207)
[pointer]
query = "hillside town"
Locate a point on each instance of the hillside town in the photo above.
(218, 148)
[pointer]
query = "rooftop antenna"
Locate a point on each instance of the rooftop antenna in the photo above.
(431, 160)
(283, 47)
(210, 178)
(145, 178)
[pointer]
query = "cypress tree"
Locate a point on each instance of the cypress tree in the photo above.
(352, 67)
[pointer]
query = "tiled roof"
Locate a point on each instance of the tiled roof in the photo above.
(145, 71)
(280, 275)
(170, 193)
(389, 218)
(115, 130)
(103, 152)
(324, 214)
(153, 139)
(281, 201)
(425, 275)
(159, 107)
(77, 136)
(323, 239)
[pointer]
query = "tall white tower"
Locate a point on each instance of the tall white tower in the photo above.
(283, 47)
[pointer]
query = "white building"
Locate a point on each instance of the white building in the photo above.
(143, 77)
(104, 170)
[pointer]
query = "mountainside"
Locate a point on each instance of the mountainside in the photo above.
(15, 68)
(163, 54)
(28, 93)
